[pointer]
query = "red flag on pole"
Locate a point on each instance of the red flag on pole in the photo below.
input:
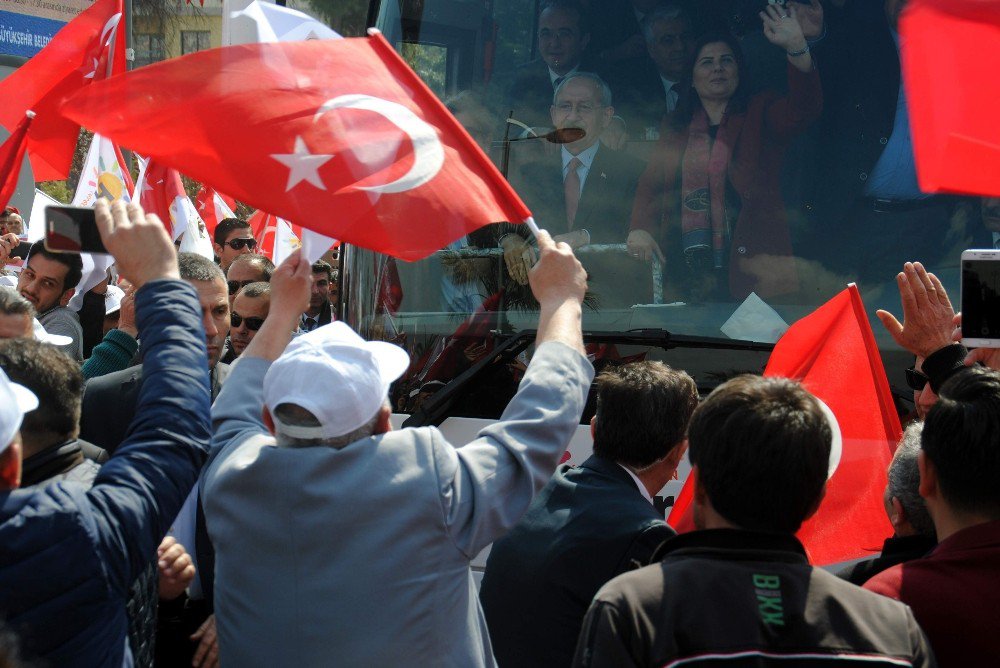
(159, 187)
(338, 136)
(213, 207)
(951, 56)
(832, 351)
(88, 48)
(11, 157)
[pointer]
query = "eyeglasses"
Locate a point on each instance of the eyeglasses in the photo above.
(234, 286)
(916, 380)
(253, 324)
(238, 244)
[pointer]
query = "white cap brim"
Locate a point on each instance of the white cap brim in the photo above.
(113, 299)
(26, 402)
(45, 337)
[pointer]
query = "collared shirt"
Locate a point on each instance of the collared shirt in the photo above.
(586, 158)
(638, 483)
(670, 92)
(553, 77)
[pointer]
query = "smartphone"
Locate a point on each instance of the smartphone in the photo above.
(72, 229)
(981, 298)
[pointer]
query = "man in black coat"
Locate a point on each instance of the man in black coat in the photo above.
(592, 522)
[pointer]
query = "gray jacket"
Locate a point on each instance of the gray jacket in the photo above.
(359, 556)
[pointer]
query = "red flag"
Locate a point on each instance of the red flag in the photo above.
(339, 136)
(264, 227)
(952, 99)
(88, 48)
(159, 188)
(832, 352)
(11, 157)
(213, 207)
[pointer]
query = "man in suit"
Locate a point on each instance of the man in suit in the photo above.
(582, 193)
(381, 525)
(592, 522)
(323, 298)
(563, 35)
(108, 407)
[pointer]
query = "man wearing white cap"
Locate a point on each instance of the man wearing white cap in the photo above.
(68, 551)
(341, 542)
(15, 401)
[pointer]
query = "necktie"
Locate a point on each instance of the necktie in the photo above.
(310, 324)
(558, 80)
(571, 186)
(672, 94)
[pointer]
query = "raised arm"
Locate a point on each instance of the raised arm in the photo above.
(488, 484)
(791, 114)
(141, 488)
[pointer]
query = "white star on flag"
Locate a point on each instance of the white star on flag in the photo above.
(302, 165)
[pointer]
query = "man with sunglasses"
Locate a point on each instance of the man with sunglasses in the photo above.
(247, 269)
(233, 237)
(248, 314)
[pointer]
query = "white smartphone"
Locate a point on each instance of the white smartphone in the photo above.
(981, 298)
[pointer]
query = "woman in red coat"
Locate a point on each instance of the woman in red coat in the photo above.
(709, 204)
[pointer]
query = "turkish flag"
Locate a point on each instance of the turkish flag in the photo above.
(159, 187)
(11, 157)
(89, 48)
(264, 227)
(338, 136)
(213, 207)
(950, 57)
(832, 352)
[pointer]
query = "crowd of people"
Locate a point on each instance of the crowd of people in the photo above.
(192, 511)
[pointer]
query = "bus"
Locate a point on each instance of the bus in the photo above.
(735, 180)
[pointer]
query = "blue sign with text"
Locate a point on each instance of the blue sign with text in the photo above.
(23, 35)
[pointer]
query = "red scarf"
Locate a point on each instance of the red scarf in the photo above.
(703, 187)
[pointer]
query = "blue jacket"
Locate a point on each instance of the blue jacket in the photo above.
(68, 552)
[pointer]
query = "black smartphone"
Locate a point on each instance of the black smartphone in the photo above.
(72, 229)
(981, 298)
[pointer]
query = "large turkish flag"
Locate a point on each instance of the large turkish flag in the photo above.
(832, 352)
(951, 61)
(338, 136)
(88, 48)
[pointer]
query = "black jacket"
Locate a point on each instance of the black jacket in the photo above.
(587, 525)
(895, 550)
(749, 599)
(72, 461)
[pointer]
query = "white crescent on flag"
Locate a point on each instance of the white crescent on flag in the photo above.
(428, 153)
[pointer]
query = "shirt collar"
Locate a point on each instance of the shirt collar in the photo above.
(667, 83)
(980, 535)
(638, 483)
(736, 543)
(586, 157)
(553, 76)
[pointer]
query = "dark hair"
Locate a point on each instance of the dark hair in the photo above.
(227, 225)
(323, 266)
(569, 6)
(194, 267)
(261, 262)
(72, 262)
(54, 378)
(962, 440)
(254, 290)
(762, 448)
(642, 412)
(662, 13)
(688, 101)
(12, 303)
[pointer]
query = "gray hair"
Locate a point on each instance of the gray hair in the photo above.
(194, 267)
(662, 13)
(296, 416)
(904, 481)
(590, 76)
(12, 303)
(261, 263)
(258, 289)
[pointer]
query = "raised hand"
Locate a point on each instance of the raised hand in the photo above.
(781, 27)
(928, 316)
(810, 18)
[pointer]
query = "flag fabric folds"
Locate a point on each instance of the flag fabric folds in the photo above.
(339, 136)
(89, 48)
(11, 157)
(213, 207)
(833, 353)
(161, 191)
(950, 57)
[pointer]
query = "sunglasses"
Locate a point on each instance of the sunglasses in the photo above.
(238, 244)
(253, 324)
(916, 380)
(234, 286)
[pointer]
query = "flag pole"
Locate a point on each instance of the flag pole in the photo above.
(530, 222)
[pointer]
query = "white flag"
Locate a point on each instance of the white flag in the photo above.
(287, 241)
(36, 223)
(280, 24)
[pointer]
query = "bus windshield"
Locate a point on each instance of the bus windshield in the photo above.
(721, 168)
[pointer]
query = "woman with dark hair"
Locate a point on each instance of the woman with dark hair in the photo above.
(711, 195)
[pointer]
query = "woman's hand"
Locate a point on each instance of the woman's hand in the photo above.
(781, 27)
(642, 245)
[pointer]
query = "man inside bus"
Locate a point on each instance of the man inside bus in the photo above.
(306, 470)
(583, 192)
(563, 34)
(590, 522)
(323, 297)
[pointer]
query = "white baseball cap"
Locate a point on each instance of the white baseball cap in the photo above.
(113, 299)
(45, 337)
(15, 401)
(337, 376)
